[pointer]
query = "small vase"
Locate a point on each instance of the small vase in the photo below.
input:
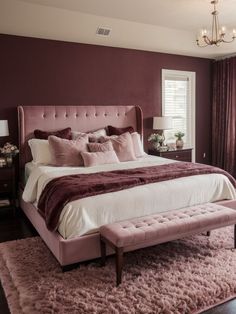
(179, 143)
(156, 145)
(9, 160)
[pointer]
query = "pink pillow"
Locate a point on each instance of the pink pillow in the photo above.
(67, 153)
(43, 135)
(138, 146)
(99, 158)
(123, 146)
(100, 147)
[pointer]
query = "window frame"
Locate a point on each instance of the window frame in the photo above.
(191, 76)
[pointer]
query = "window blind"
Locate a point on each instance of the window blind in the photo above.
(177, 104)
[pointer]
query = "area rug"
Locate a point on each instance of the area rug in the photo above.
(185, 276)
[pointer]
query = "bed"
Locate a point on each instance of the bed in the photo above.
(73, 243)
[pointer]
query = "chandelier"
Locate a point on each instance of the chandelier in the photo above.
(217, 34)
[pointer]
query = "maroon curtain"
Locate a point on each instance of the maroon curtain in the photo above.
(224, 115)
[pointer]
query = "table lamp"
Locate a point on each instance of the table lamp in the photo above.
(4, 131)
(162, 123)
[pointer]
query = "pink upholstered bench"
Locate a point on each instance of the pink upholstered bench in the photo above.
(151, 230)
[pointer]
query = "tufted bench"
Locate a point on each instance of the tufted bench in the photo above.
(172, 225)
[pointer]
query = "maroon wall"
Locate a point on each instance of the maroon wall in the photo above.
(39, 72)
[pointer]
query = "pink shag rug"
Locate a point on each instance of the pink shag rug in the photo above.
(185, 276)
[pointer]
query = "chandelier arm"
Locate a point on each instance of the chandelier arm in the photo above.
(202, 46)
(207, 40)
(228, 41)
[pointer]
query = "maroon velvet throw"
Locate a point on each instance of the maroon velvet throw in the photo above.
(60, 191)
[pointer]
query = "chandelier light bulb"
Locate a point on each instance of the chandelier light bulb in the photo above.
(217, 34)
(223, 30)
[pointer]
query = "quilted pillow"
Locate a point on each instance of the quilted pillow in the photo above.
(118, 131)
(100, 147)
(43, 135)
(99, 158)
(67, 152)
(93, 136)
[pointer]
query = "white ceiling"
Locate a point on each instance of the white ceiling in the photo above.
(155, 25)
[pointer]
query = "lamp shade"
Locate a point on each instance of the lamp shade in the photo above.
(4, 131)
(162, 123)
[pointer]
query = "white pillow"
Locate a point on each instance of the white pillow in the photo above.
(138, 146)
(40, 151)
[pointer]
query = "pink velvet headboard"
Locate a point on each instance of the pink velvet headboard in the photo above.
(79, 118)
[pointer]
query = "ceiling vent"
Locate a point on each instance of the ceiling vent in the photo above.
(103, 31)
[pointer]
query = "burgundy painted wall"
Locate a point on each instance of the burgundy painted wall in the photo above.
(39, 72)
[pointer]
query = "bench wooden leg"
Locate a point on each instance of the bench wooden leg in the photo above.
(235, 236)
(208, 233)
(103, 252)
(119, 265)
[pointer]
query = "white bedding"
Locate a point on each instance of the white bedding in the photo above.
(85, 216)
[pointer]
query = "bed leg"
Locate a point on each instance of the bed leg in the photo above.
(119, 265)
(208, 233)
(69, 267)
(103, 252)
(235, 236)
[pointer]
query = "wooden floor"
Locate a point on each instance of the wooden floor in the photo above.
(18, 227)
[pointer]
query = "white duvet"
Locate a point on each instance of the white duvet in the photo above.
(86, 215)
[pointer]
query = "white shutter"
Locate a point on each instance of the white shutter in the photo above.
(178, 102)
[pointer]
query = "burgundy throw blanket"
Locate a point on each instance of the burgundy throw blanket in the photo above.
(60, 191)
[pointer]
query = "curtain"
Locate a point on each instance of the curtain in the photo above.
(224, 115)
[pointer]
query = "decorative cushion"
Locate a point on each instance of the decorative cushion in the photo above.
(43, 135)
(123, 146)
(118, 131)
(100, 147)
(67, 152)
(40, 151)
(138, 146)
(99, 158)
(93, 136)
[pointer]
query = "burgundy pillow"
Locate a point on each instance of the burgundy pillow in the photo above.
(43, 135)
(118, 131)
(122, 145)
(99, 158)
(67, 153)
(100, 147)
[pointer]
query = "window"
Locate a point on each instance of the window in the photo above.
(178, 102)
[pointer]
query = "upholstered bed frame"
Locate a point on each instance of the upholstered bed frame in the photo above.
(79, 118)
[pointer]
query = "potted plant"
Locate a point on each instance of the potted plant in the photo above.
(179, 140)
(156, 140)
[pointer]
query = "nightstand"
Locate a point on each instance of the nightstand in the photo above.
(8, 186)
(184, 154)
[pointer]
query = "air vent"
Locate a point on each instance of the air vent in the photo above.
(103, 31)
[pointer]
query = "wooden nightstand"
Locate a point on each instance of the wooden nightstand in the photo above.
(184, 154)
(8, 186)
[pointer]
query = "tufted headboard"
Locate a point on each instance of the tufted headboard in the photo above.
(79, 118)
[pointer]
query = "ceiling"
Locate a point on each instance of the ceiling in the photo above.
(156, 25)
